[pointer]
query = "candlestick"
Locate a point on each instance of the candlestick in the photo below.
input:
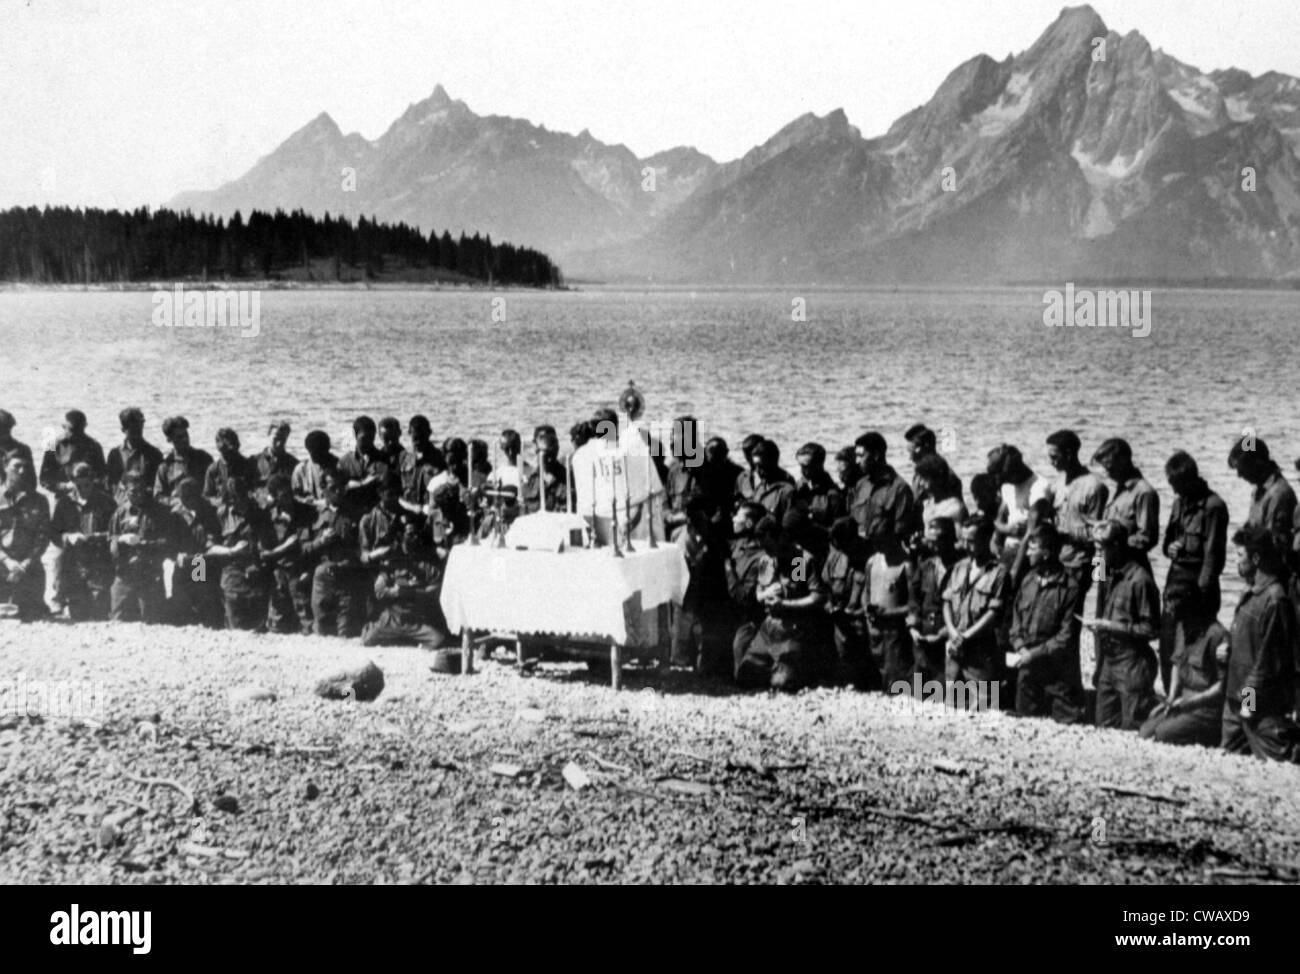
(539, 462)
(469, 491)
(594, 540)
(627, 504)
(650, 494)
(487, 483)
(613, 509)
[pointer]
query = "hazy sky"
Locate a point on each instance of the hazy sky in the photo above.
(122, 102)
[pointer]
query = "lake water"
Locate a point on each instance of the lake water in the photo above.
(980, 363)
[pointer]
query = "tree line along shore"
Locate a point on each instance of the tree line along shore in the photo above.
(62, 245)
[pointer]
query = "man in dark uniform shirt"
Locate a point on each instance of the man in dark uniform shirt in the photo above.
(182, 460)
(719, 476)
(1134, 502)
(196, 593)
(1273, 506)
(1192, 711)
(406, 592)
(338, 594)
(1260, 691)
(748, 561)
(381, 528)
(245, 533)
(143, 534)
(921, 443)
(1079, 501)
(1129, 621)
(928, 566)
(390, 442)
(882, 504)
(1273, 501)
(977, 597)
(1044, 633)
(289, 606)
(306, 477)
(1195, 542)
(229, 465)
(551, 474)
(134, 453)
(10, 448)
(704, 629)
(768, 483)
(80, 529)
(24, 536)
(747, 446)
(844, 573)
(814, 489)
(686, 479)
(419, 465)
(72, 447)
(791, 647)
(274, 458)
(363, 468)
(847, 472)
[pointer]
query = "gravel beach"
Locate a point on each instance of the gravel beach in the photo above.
(189, 773)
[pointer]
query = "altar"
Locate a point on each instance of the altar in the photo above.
(576, 595)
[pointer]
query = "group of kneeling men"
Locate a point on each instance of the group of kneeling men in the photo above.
(856, 576)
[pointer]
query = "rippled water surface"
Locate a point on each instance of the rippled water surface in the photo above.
(980, 363)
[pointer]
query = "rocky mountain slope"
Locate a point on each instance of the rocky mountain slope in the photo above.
(1090, 153)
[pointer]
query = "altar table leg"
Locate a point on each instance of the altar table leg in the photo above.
(466, 652)
(673, 643)
(616, 665)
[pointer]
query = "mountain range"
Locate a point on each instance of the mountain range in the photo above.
(1089, 154)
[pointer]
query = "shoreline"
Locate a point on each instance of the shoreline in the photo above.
(592, 286)
(14, 287)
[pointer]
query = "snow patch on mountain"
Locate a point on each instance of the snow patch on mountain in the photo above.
(1238, 109)
(1098, 222)
(1106, 173)
(1008, 109)
(1189, 102)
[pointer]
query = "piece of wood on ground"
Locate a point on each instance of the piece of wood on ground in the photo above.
(1156, 796)
(608, 765)
(692, 755)
(209, 851)
(684, 786)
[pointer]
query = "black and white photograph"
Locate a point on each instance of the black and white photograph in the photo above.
(689, 443)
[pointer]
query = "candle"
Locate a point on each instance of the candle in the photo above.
(613, 509)
(469, 493)
(627, 503)
(649, 496)
(541, 478)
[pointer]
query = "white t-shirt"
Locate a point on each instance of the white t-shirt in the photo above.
(1018, 499)
(605, 475)
(506, 476)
